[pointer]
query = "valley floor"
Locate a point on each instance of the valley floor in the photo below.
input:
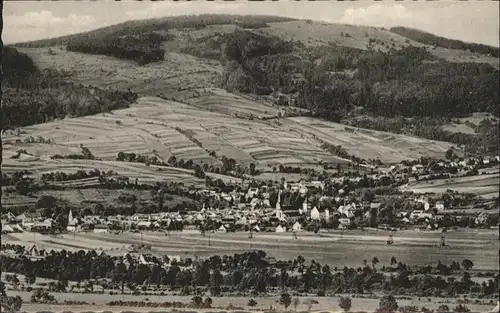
(348, 248)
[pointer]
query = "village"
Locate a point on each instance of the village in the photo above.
(337, 202)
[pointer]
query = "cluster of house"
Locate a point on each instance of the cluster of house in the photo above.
(256, 212)
(461, 166)
(257, 215)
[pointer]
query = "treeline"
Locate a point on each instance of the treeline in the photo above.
(143, 48)
(62, 176)
(151, 25)
(31, 96)
(433, 40)
(251, 272)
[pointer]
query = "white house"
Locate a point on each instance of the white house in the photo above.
(144, 225)
(315, 214)
(6, 229)
(297, 226)
(146, 259)
(17, 228)
(345, 222)
(8, 217)
(280, 215)
(420, 215)
(327, 214)
(100, 228)
(417, 168)
(280, 229)
(252, 192)
(27, 220)
(222, 229)
(439, 206)
(305, 206)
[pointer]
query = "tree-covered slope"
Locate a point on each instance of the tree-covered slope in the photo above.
(32, 96)
(433, 40)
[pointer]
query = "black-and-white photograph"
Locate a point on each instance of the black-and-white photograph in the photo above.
(250, 157)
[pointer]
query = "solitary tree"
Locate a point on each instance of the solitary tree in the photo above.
(345, 303)
(450, 154)
(285, 300)
(387, 304)
(30, 278)
(461, 309)
(467, 264)
(443, 308)
(252, 303)
(197, 301)
(208, 303)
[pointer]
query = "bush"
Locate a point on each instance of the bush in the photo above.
(408, 309)
(387, 304)
(461, 309)
(252, 303)
(345, 303)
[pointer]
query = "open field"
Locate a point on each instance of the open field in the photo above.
(361, 245)
(164, 128)
(144, 174)
(370, 144)
(325, 304)
(87, 197)
(483, 185)
(177, 71)
(412, 247)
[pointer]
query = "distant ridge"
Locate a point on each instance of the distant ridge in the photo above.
(433, 40)
(163, 23)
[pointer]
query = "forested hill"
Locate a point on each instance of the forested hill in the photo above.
(336, 72)
(138, 27)
(33, 96)
(433, 40)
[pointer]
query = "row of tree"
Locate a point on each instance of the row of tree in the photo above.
(250, 272)
(142, 48)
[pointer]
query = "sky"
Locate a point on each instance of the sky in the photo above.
(470, 21)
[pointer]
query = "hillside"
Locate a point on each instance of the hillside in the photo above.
(166, 128)
(437, 41)
(239, 69)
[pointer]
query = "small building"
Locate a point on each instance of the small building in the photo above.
(326, 214)
(146, 259)
(420, 215)
(34, 251)
(439, 206)
(315, 214)
(222, 229)
(6, 229)
(297, 226)
(345, 222)
(144, 225)
(101, 228)
(280, 229)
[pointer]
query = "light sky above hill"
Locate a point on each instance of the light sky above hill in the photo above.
(471, 21)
